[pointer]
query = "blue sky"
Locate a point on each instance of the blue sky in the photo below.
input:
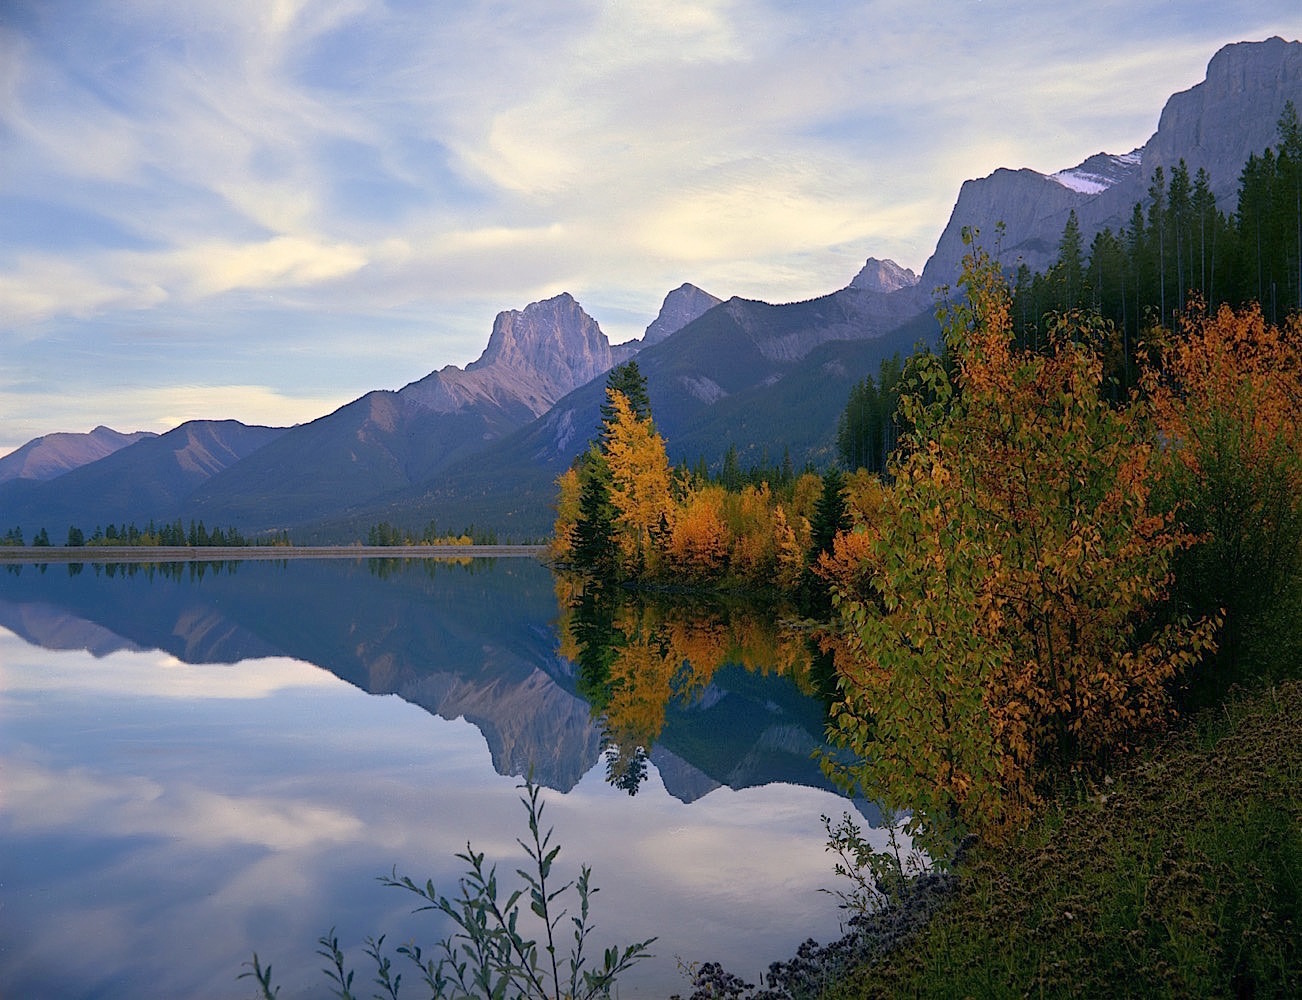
(261, 209)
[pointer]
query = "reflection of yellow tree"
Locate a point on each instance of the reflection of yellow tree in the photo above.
(654, 654)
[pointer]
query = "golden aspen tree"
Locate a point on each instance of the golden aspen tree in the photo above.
(754, 541)
(561, 548)
(698, 542)
(640, 481)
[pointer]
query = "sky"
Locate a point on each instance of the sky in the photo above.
(262, 209)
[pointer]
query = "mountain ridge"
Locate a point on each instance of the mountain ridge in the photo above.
(51, 455)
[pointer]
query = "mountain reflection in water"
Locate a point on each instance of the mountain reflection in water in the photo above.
(714, 694)
(231, 798)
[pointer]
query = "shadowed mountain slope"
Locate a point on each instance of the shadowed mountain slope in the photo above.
(768, 379)
(148, 479)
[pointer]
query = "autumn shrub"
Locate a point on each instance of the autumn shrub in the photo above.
(698, 542)
(1007, 615)
(1227, 399)
(1177, 876)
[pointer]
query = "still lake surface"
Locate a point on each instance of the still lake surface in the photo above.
(199, 762)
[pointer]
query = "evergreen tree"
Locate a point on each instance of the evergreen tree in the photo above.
(628, 379)
(1069, 272)
(866, 431)
(592, 538)
(831, 515)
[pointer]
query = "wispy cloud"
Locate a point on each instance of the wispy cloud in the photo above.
(278, 164)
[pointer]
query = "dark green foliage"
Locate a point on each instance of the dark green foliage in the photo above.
(384, 533)
(867, 431)
(831, 515)
(1177, 241)
(629, 380)
(76, 537)
(1181, 877)
(14, 536)
(593, 537)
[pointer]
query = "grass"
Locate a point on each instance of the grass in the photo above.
(1181, 877)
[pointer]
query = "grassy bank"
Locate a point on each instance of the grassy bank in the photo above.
(1180, 877)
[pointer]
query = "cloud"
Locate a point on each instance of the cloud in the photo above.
(159, 675)
(42, 799)
(318, 158)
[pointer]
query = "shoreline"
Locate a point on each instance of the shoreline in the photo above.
(224, 553)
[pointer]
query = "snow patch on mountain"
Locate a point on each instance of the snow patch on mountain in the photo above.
(1099, 172)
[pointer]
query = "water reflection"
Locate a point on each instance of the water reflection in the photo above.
(714, 694)
(665, 672)
(181, 786)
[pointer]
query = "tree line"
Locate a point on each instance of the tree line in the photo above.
(172, 534)
(386, 534)
(1177, 240)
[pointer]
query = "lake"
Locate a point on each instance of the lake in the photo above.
(200, 761)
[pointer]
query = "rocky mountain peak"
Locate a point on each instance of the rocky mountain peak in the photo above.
(1101, 172)
(1214, 125)
(883, 276)
(684, 304)
(1232, 112)
(554, 339)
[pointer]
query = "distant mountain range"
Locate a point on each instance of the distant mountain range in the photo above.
(483, 445)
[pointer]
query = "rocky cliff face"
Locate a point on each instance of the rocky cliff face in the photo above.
(553, 340)
(1214, 125)
(534, 357)
(1233, 112)
(883, 276)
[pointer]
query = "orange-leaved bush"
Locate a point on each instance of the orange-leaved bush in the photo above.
(1007, 614)
(1227, 399)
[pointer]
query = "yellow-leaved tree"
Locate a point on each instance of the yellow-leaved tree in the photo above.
(640, 482)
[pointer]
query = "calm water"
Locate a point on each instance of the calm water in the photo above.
(197, 766)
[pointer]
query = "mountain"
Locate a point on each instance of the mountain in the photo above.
(684, 304)
(1214, 125)
(148, 479)
(386, 441)
(54, 454)
(883, 276)
(769, 379)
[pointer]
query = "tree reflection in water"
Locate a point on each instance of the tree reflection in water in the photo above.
(639, 654)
